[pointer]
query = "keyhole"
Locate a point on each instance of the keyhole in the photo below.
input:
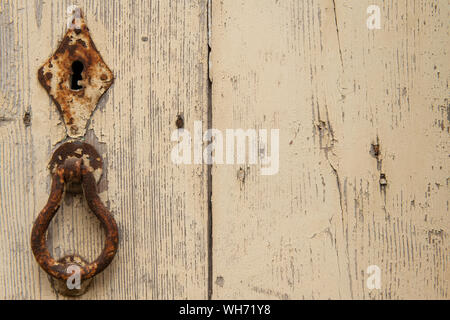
(77, 68)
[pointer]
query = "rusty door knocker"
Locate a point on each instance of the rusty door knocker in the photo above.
(75, 77)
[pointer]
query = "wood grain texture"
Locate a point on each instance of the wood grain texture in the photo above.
(334, 89)
(158, 53)
(309, 68)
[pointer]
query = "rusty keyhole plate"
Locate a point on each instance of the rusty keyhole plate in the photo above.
(76, 106)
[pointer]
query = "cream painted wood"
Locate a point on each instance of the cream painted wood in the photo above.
(309, 68)
(158, 53)
(333, 88)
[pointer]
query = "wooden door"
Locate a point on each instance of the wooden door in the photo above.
(363, 119)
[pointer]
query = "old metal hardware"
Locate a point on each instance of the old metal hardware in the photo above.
(74, 167)
(75, 77)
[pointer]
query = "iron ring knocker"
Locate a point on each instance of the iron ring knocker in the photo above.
(73, 166)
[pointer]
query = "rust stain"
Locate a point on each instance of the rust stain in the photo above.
(375, 149)
(179, 122)
(56, 76)
(27, 119)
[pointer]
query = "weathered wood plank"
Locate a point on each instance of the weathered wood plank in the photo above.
(312, 69)
(158, 53)
(334, 88)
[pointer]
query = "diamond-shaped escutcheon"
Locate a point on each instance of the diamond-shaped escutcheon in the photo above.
(76, 77)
